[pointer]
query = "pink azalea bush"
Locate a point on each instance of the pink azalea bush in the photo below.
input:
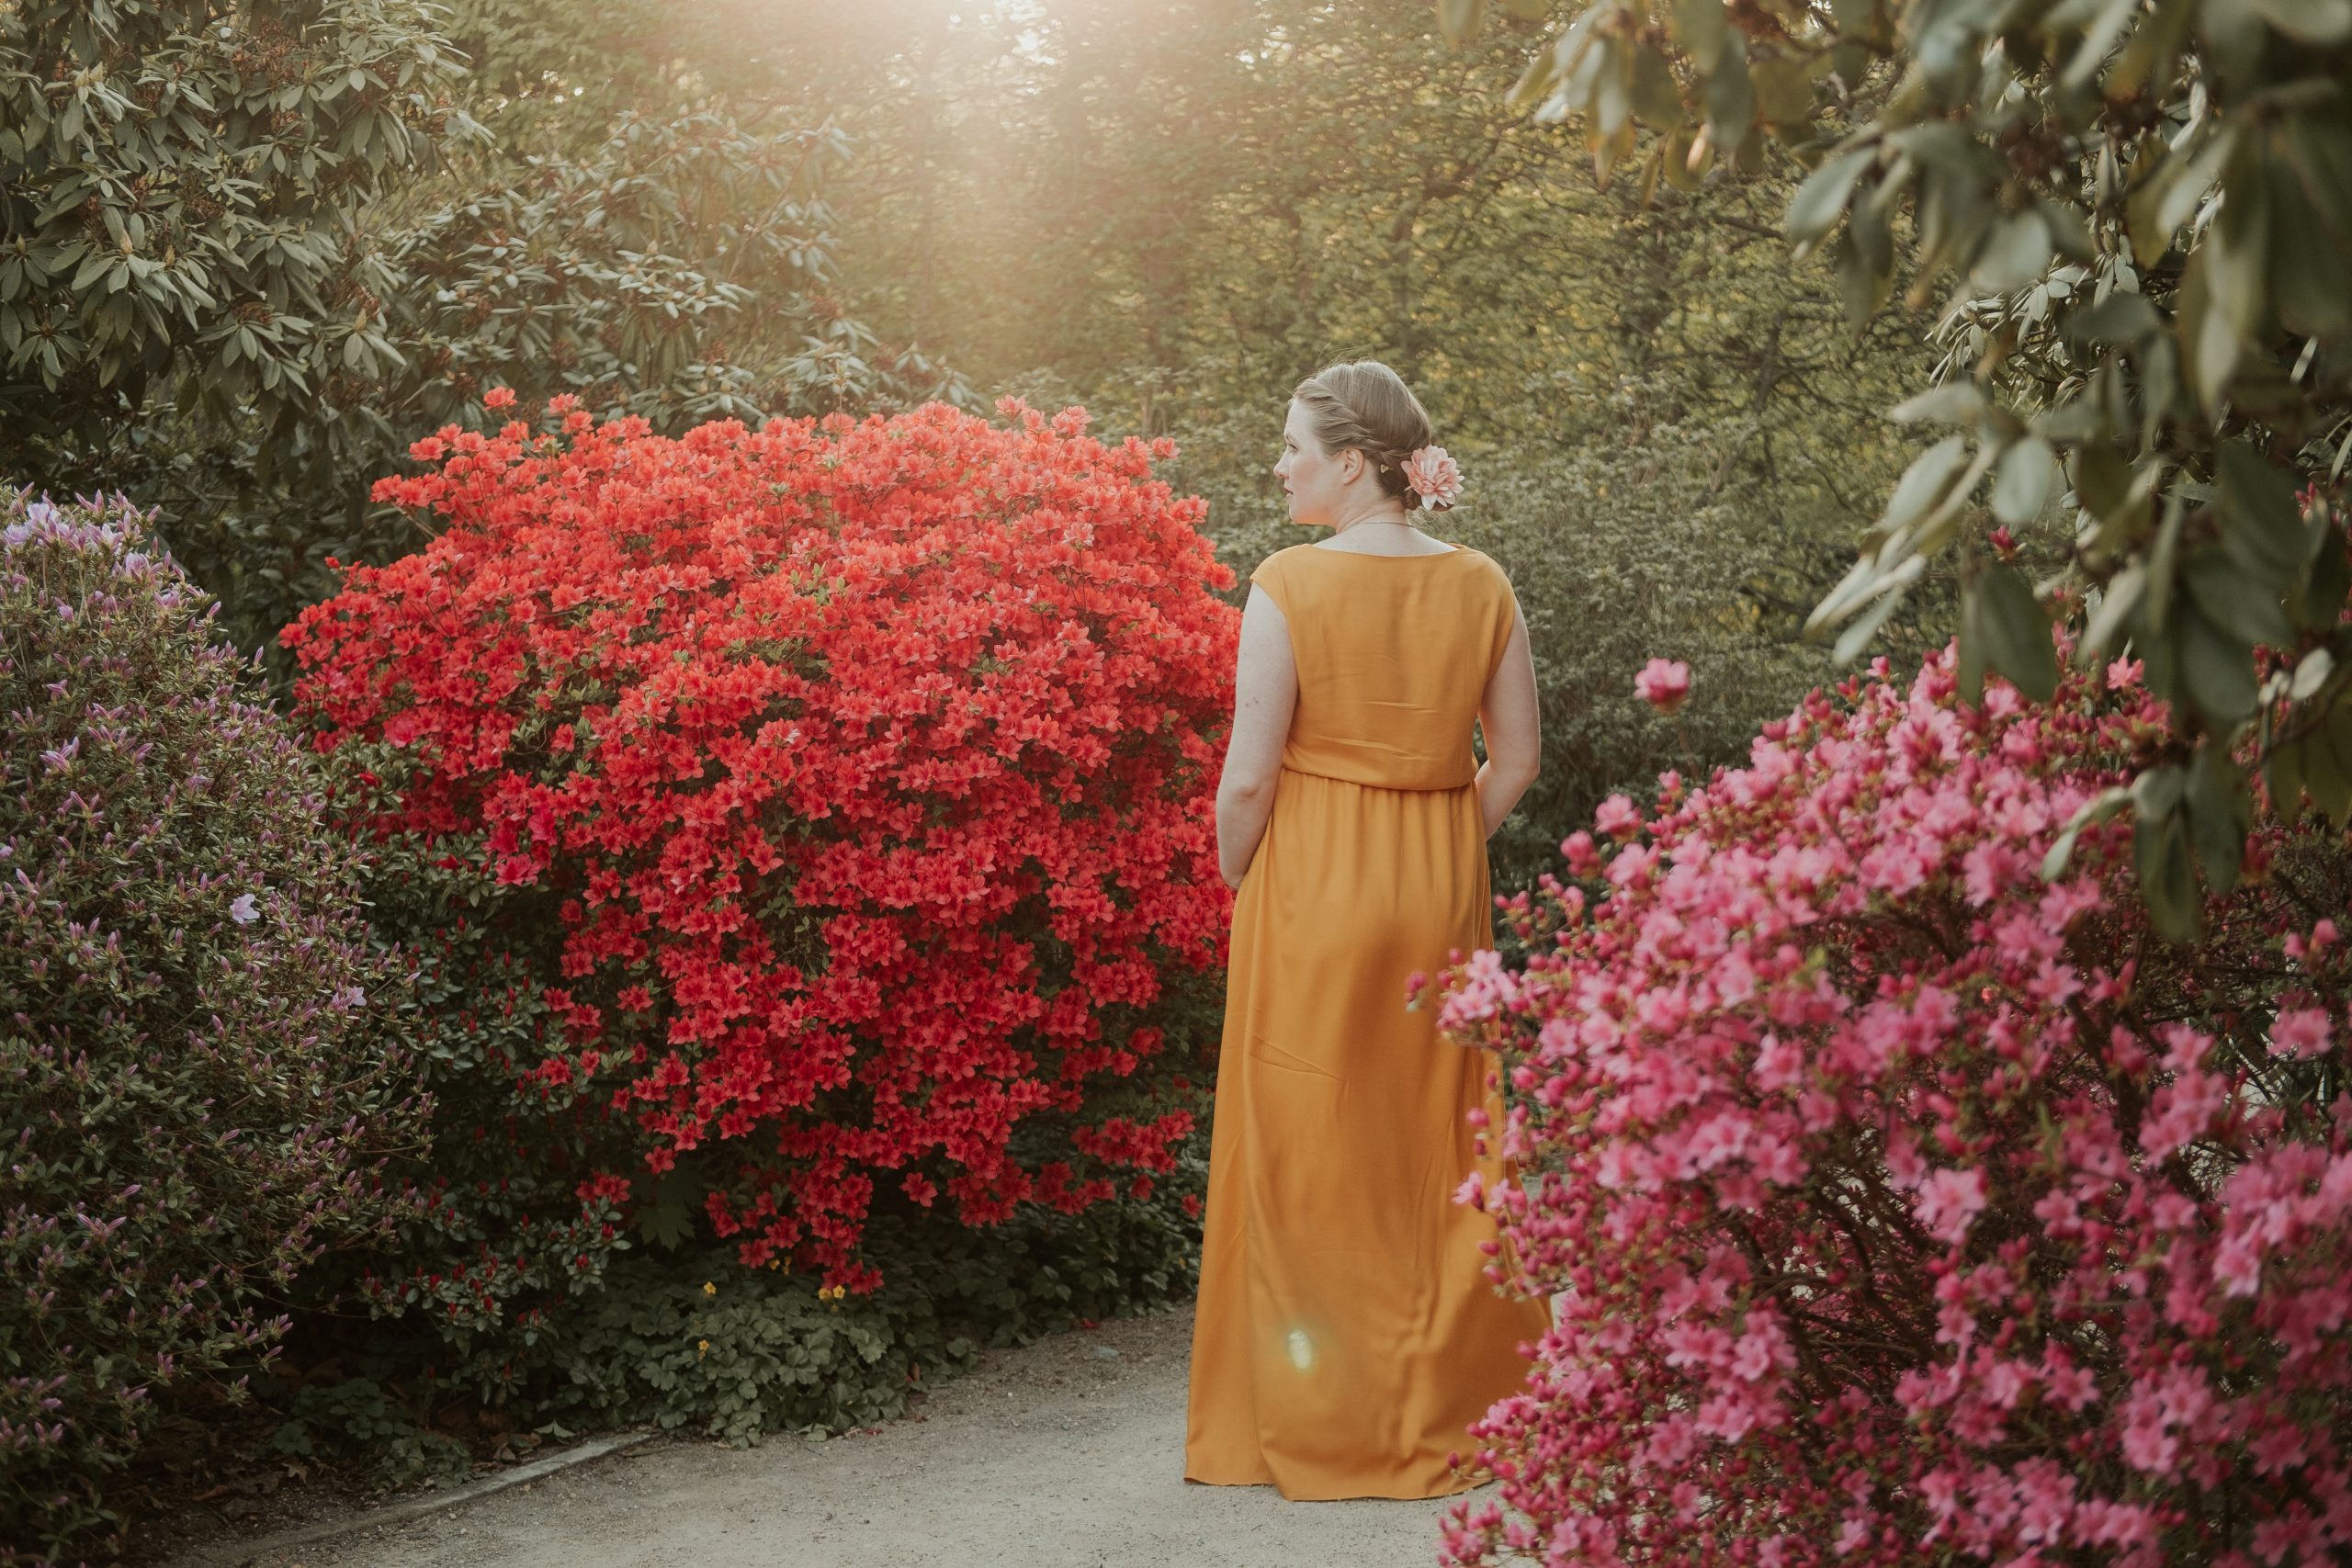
(1907, 1207)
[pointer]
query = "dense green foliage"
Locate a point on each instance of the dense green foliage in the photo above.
(246, 257)
(684, 1339)
(197, 1091)
(2144, 206)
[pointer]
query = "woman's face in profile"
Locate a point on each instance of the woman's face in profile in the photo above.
(1313, 482)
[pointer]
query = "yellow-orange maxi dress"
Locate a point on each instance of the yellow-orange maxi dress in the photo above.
(1345, 1332)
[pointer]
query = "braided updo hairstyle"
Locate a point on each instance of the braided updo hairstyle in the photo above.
(1363, 404)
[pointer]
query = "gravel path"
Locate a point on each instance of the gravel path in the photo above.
(1067, 1453)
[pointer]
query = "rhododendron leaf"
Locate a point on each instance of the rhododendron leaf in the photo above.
(2316, 596)
(1699, 27)
(1731, 99)
(2326, 758)
(1656, 100)
(2011, 631)
(1891, 590)
(2308, 21)
(2097, 808)
(1954, 402)
(2120, 317)
(1819, 202)
(2216, 669)
(2156, 793)
(2167, 881)
(1924, 484)
(2264, 528)
(2116, 603)
(1458, 20)
(1784, 90)
(1865, 255)
(2311, 673)
(2232, 600)
(2022, 483)
(2282, 777)
(2164, 566)
(2221, 813)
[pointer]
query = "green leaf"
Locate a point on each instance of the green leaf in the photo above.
(2116, 602)
(2308, 21)
(2282, 777)
(1783, 92)
(1458, 20)
(1700, 28)
(1731, 97)
(2315, 600)
(2264, 527)
(2233, 598)
(1891, 590)
(2015, 632)
(2013, 255)
(2022, 483)
(1954, 402)
(1824, 196)
(2120, 317)
(2326, 758)
(1658, 100)
(2221, 813)
(2097, 808)
(2168, 879)
(1925, 484)
(2217, 671)
(1865, 255)
(2102, 478)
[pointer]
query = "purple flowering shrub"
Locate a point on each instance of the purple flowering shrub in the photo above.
(198, 1089)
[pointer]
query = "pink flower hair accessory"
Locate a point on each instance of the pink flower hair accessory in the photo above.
(1433, 476)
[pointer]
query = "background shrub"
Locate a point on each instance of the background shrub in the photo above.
(1908, 1201)
(787, 828)
(196, 1091)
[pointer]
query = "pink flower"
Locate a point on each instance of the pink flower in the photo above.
(1617, 818)
(2299, 1032)
(1433, 476)
(499, 398)
(1663, 684)
(1949, 1202)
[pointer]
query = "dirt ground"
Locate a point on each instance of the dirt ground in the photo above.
(1067, 1453)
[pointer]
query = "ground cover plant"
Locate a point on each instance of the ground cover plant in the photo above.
(197, 1089)
(1911, 1197)
(786, 826)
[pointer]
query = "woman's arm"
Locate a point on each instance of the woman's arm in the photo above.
(1507, 716)
(1265, 691)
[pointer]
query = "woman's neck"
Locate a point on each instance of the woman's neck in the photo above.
(1378, 516)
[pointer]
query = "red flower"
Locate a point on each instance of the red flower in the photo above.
(866, 767)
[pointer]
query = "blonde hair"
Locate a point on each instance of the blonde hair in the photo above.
(1363, 404)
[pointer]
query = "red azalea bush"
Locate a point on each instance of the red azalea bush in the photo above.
(1907, 1206)
(839, 795)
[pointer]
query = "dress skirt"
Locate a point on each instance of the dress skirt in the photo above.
(1346, 1334)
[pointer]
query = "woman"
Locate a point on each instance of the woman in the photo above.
(1345, 1332)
